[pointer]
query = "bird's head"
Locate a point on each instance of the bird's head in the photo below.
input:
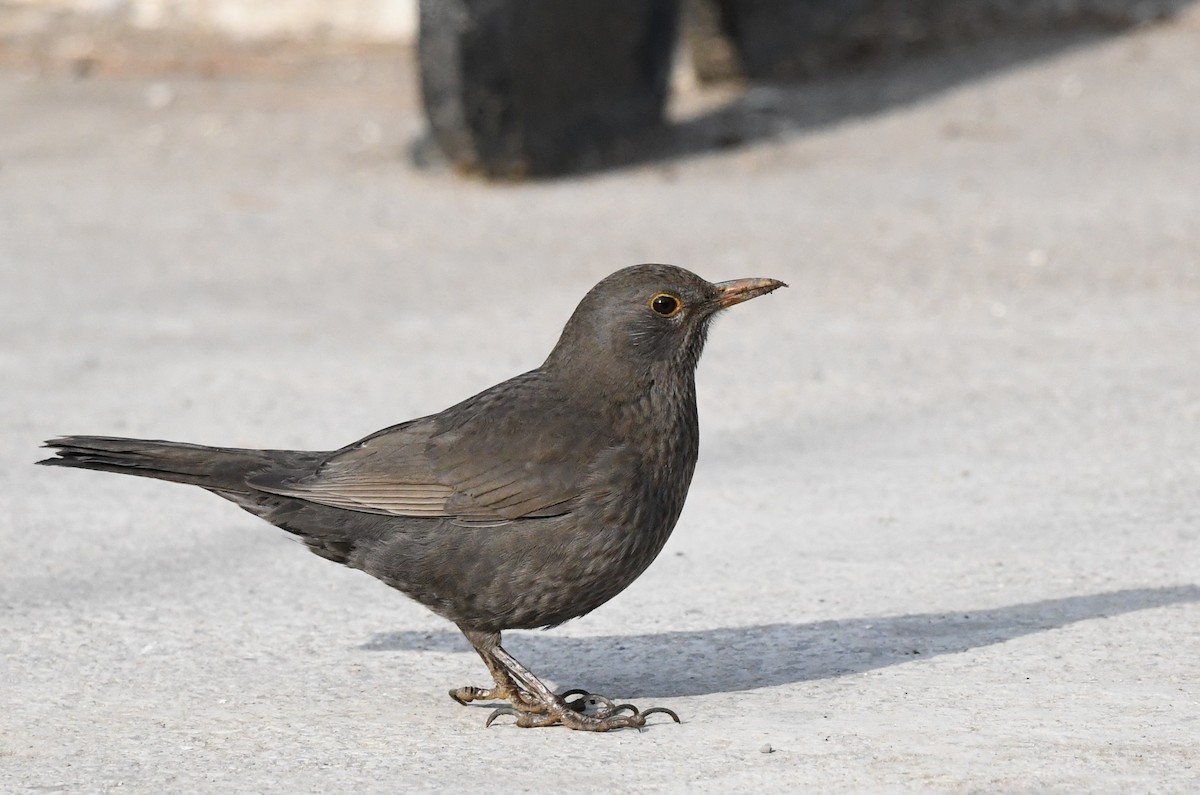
(645, 317)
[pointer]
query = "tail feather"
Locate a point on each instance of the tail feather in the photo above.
(209, 467)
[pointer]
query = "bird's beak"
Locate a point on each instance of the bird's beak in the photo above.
(738, 290)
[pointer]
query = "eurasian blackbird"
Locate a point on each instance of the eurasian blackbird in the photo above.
(531, 503)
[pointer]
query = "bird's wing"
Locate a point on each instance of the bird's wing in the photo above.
(386, 473)
(508, 453)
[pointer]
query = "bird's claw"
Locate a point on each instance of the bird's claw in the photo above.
(663, 710)
(498, 711)
(465, 695)
(594, 705)
(598, 706)
(586, 712)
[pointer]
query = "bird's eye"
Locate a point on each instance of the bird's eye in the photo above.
(665, 304)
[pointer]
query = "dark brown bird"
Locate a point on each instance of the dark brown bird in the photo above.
(529, 504)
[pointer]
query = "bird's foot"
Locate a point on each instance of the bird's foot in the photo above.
(519, 699)
(582, 711)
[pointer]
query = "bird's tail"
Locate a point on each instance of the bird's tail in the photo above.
(209, 467)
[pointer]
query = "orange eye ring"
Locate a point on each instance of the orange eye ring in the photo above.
(665, 305)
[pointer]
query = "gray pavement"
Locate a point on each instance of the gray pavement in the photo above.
(945, 530)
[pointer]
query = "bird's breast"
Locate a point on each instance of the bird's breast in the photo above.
(648, 478)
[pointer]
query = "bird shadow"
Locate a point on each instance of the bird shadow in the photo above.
(734, 659)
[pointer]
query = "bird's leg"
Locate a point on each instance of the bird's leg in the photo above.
(587, 713)
(506, 688)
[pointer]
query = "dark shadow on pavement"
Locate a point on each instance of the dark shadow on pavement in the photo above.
(733, 659)
(778, 111)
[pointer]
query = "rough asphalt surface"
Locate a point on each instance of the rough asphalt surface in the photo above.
(945, 529)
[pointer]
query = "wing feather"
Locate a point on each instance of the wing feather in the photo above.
(514, 451)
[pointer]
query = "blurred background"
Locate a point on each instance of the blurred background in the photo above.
(944, 534)
(519, 89)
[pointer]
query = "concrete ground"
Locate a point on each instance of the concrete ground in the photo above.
(945, 530)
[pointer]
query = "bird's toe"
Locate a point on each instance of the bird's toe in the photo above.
(518, 699)
(582, 711)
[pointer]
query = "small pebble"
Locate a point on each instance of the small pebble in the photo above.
(766, 749)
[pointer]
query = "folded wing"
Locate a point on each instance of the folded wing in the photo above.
(515, 451)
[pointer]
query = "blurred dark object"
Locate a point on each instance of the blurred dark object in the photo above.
(523, 88)
(517, 88)
(792, 39)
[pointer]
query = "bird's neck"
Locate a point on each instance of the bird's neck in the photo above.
(628, 399)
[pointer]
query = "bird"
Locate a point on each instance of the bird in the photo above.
(527, 505)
